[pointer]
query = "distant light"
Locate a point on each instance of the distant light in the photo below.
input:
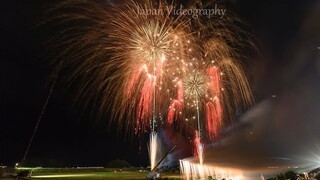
(274, 96)
(318, 48)
(273, 167)
(64, 176)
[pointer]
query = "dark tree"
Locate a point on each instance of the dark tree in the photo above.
(118, 164)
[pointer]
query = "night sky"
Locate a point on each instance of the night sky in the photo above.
(71, 137)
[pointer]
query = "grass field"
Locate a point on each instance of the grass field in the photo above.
(90, 174)
(101, 176)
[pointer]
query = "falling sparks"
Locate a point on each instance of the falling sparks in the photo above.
(133, 61)
(145, 103)
(198, 147)
(139, 66)
(214, 117)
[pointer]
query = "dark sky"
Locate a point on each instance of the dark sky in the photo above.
(71, 139)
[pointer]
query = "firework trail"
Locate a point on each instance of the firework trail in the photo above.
(198, 150)
(44, 107)
(143, 66)
(153, 147)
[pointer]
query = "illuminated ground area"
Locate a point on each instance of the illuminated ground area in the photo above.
(202, 171)
(96, 175)
(100, 175)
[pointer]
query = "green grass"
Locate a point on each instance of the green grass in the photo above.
(92, 174)
(100, 176)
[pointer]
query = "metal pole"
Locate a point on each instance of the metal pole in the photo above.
(155, 167)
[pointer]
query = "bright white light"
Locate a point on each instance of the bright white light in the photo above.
(197, 171)
(153, 147)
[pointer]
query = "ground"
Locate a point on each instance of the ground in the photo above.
(101, 175)
(94, 174)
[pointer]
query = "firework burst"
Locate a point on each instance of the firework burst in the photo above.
(154, 44)
(195, 85)
(141, 66)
